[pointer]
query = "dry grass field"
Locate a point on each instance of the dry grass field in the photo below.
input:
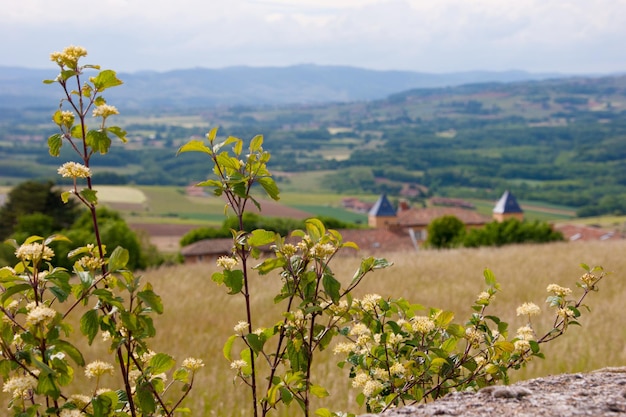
(199, 316)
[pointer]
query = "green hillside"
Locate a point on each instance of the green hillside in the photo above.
(559, 141)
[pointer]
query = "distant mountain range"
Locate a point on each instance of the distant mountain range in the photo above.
(248, 86)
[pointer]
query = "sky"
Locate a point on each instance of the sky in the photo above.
(436, 36)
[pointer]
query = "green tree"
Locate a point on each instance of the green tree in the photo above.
(511, 231)
(114, 232)
(445, 232)
(36, 197)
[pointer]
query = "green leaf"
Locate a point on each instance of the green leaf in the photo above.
(195, 146)
(99, 141)
(270, 187)
(238, 147)
(260, 237)
(323, 412)
(119, 132)
(146, 399)
(77, 131)
(212, 134)
(285, 395)
(331, 287)
(228, 347)
(227, 161)
(181, 374)
(14, 290)
(65, 196)
(161, 362)
(89, 195)
(89, 324)
(490, 278)
(106, 79)
(444, 318)
(315, 228)
(46, 385)
(234, 281)
(318, 391)
(246, 355)
(456, 330)
(255, 342)
(118, 259)
(218, 278)
(54, 144)
(71, 351)
(256, 143)
(152, 300)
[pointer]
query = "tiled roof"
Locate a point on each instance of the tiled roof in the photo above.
(573, 232)
(423, 217)
(507, 204)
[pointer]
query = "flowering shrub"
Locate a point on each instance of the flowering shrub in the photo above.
(311, 294)
(395, 355)
(398, 357)
(38, 299)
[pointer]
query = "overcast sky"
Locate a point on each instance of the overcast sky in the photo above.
(567, 36)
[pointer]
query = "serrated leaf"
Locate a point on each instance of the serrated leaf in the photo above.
(161, 362)
(99, 141)
(119, 132)
(270, 187)
(260, 237)
(255, 342)
(106, 79)
(181, 374)
(89, 195)
(152, 300)
(54, 144)
(234, 281)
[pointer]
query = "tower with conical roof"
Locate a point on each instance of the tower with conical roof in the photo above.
(507, 208)
(382, 213)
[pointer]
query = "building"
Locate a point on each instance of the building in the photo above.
(382, 214)
(507, 208)
(390, 229)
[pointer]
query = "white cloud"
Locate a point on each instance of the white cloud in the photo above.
(442, 35)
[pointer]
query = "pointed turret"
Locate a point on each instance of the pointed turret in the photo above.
(507, 207)
(382, 213)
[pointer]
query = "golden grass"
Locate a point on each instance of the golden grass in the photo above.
(199, 315)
